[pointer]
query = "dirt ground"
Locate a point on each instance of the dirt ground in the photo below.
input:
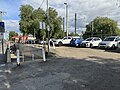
(68, 69)
(79, 53)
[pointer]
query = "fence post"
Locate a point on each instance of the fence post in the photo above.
(18, 57)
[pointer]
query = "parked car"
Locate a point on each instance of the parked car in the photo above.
(37, 41)
(76, 41)
(91, 42)
(30, 42)
(64, 41)
(110, 42)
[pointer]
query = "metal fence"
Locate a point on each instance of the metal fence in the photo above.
(30, 52)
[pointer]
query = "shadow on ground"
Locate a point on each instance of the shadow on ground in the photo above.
(2, 58)
(115, 51)
(60, 73)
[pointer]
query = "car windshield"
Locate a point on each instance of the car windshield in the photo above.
(73, 39)
(89, 39)
(109, 39)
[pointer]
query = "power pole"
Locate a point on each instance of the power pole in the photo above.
(92, 28)
(63, 24)
(48, 28)
(1, 16)
(66, 19)
(75, 22)
(1, 12)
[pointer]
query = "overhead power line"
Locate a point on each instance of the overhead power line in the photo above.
(42, 3)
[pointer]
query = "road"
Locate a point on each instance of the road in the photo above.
(67, 69)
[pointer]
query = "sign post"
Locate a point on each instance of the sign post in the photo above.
(2, 30)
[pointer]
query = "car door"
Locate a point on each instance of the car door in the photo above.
(117, 42)
(66, 40)
(96, 41)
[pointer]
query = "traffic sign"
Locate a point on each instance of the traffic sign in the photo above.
(2, 27)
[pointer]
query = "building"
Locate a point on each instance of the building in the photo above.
(22, 38)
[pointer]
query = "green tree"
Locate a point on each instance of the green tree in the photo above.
(11, 34)
(38, 16)
(73, 34)
(25, 19)
(55, 24)
(31, 18)
(101, 27)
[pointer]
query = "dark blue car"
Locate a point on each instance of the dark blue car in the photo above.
(76, 42)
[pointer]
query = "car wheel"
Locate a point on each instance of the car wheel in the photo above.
(113, 46)
(60, 44)
(91, 45)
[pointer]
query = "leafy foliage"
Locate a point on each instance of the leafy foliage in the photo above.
(31, 18)
(73, 34)
(101, 27)
(11, 34)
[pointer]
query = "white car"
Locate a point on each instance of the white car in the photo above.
(91, 42)
(110, 42)
(64, 41)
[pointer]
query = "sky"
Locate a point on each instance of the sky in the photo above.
(86, 11)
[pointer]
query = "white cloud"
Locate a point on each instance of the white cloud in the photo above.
(11, 25)
(86, 10)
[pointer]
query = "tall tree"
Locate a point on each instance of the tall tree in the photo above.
(102, 27)
(31, 18)
(55, 24)
(26, 18)
(38, 16)
(11, 34)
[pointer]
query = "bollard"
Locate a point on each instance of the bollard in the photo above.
(9, 45)
(8, 55)
(33, 57)
(23, 57)
(53, 44)
(18, 57)
(43, 52)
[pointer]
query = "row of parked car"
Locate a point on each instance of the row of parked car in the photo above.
(109, 42)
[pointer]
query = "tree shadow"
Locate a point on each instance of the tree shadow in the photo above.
(91, 73)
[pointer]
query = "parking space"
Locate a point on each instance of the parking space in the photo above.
(79, 53)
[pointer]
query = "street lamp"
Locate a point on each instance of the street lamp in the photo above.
(66, 19)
